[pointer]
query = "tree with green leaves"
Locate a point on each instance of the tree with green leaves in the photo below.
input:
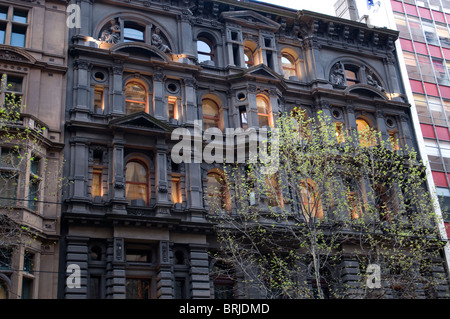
(25, 177)
(344, 216)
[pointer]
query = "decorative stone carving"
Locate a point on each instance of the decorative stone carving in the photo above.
(337, 75)
(371, 81)
(111, 34)
(157, 42)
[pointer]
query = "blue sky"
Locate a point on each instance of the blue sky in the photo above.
(322, 6)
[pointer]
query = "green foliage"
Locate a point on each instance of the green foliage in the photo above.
(337, 203)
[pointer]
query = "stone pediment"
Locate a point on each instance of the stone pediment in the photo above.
(140, 121)
(15, 54)
(142, 50)
(262, 71)
(250, 19)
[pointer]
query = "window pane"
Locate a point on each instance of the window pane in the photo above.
(203, 47)
(135, 91)
(263, 121)
(2, 34)
(18, 36)
(97, 183)
(3, 13)
(136, 173)
(210, 109)
(8, 189)
(20, 16)
(261, 104)
(135, 192)
(14, 84)
(137, 288)
(133, 33)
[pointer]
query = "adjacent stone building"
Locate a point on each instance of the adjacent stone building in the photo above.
(33, 51)
(135, 222)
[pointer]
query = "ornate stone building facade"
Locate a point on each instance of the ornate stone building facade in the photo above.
(33, 51)
(134, 221)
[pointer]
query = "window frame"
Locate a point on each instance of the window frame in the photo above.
(9, 25)
(268, 110)
(146, 183)
(145, 103)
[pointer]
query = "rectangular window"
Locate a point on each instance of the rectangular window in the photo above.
(351, 77)
(393, 138)
(137, 288)
(11, 91)
(18, 36)
(176, 191)
(8, 189)
(180, 289)
(28, 262)
(444, 200)
(95, 287)
(173, 108)
(243, 118)
(3, 13)
(98, 99)
(97, 177)
(27, 285)
(33, 194)
(20, 16)
(340, 132)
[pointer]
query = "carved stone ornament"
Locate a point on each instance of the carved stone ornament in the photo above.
(337, 74)
(157, 42)
(111, 32)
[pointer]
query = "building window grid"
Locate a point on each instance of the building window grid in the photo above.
(14, 23)
(425, 94)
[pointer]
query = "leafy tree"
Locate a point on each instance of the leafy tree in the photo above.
(24, 174)
(338, 203)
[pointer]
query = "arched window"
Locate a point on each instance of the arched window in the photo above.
(205, 50)
(135, 97)
(288, 65)
(217, 190)
(211, 115)
(367, 135)
(137, 180)
(311, 205)
(264, 112)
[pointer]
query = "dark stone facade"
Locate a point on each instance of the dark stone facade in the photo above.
(157, 244)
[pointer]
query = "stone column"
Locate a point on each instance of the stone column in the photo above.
(80, 153)
(162, 195)
(252, 115)
(115, 269)
(160, 109)
(350, 277)
(77, 254)
(199, 272)
(118, 178)
(116, 91)
(164, 277)
(381, 125)
(190, 111)
(81, 94)
(406, 131)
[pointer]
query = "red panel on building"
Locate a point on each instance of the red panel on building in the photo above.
(447, 228)
(406, 45)
(421, 48)
(410, 9)
(416, 86)
(445, 91)
(431, 89)
(427, 130)
(397, 6)
(446, 53)
(435, 51)
(442, 133)
(439, 179)
(425, 13)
